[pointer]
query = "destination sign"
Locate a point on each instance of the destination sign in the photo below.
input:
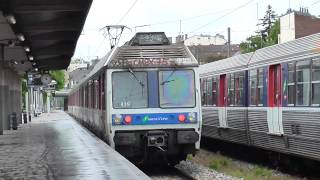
(152, 62)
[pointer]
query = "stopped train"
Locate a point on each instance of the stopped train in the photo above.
(269, 99)
(143, 98)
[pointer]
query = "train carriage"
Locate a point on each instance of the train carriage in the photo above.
(143, 98)
(275, 107)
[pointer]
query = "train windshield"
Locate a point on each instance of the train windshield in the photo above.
(176, 88)
(130, 90)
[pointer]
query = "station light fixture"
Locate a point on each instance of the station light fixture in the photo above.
(34, 64)
(36, 69)
(27, 49)
(11, 19)
(31, 58)
(21, 37)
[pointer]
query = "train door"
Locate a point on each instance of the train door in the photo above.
(274, 100)
(222, 101)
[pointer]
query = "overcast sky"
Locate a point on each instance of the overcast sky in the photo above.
(197, 17)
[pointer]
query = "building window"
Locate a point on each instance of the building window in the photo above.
(303, 82)
(315, 96)
(239, 81)
(253, 87)
(291, 84)
(260, 87)
(230, 79)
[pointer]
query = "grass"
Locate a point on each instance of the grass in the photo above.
(226, 165)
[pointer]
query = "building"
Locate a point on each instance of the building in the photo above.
(78, 71)
(297, 24)
(209, 53)
(205, 40)
(77, 64)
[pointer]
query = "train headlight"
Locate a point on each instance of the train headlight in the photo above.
(192, 117)
(128, 119)
(182, 117)
(118, 119)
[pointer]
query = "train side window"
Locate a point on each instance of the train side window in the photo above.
(214, 91)
(209, 91)
(230, 80)
(260, 87)
(103, 91)
(303, 83)
(239, 81)
(202, 91)
(253, 87)
(205, 101)
(315, 90)
(291, 84)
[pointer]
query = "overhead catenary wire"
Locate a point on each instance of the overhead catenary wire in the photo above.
(221, 17)
(127, 12)
(121, 19)
(180, 19)
(316, 2)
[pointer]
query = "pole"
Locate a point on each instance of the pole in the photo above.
(2, 100)
(229, 43)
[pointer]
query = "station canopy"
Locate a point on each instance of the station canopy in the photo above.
(41, 33)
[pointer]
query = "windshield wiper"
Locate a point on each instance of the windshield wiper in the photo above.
(135, 77)
(167, 80)
(164, 82)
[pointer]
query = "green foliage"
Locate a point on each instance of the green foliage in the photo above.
(267, 22)
(219, 162)
(273, 34)
(189, 157)
(256, 42)
(261, 171)
(266, 37)
(252, 44)
(58, 76)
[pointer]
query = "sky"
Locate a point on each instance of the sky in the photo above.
(176, 17)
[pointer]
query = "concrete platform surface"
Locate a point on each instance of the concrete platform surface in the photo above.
(54, 146)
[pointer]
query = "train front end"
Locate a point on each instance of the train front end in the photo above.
(154, 100)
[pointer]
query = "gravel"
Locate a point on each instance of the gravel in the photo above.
(198, 171)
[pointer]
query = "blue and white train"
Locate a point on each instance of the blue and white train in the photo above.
(268, 99)
(143, 98)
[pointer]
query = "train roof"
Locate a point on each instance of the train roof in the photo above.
(175, 55)
(305, 47)
(234, 63)
(99, 66)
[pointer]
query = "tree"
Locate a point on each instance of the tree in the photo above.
(267, 22)
(251, 44)
(58, 76)
(266, 37)
(273, 34)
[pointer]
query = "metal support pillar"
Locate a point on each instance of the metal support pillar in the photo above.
(2, 102)
(229, 42)
(30, 104)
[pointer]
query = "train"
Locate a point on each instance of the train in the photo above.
(268, 99)
(143, 99)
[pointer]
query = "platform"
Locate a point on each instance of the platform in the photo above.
(55, 146)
